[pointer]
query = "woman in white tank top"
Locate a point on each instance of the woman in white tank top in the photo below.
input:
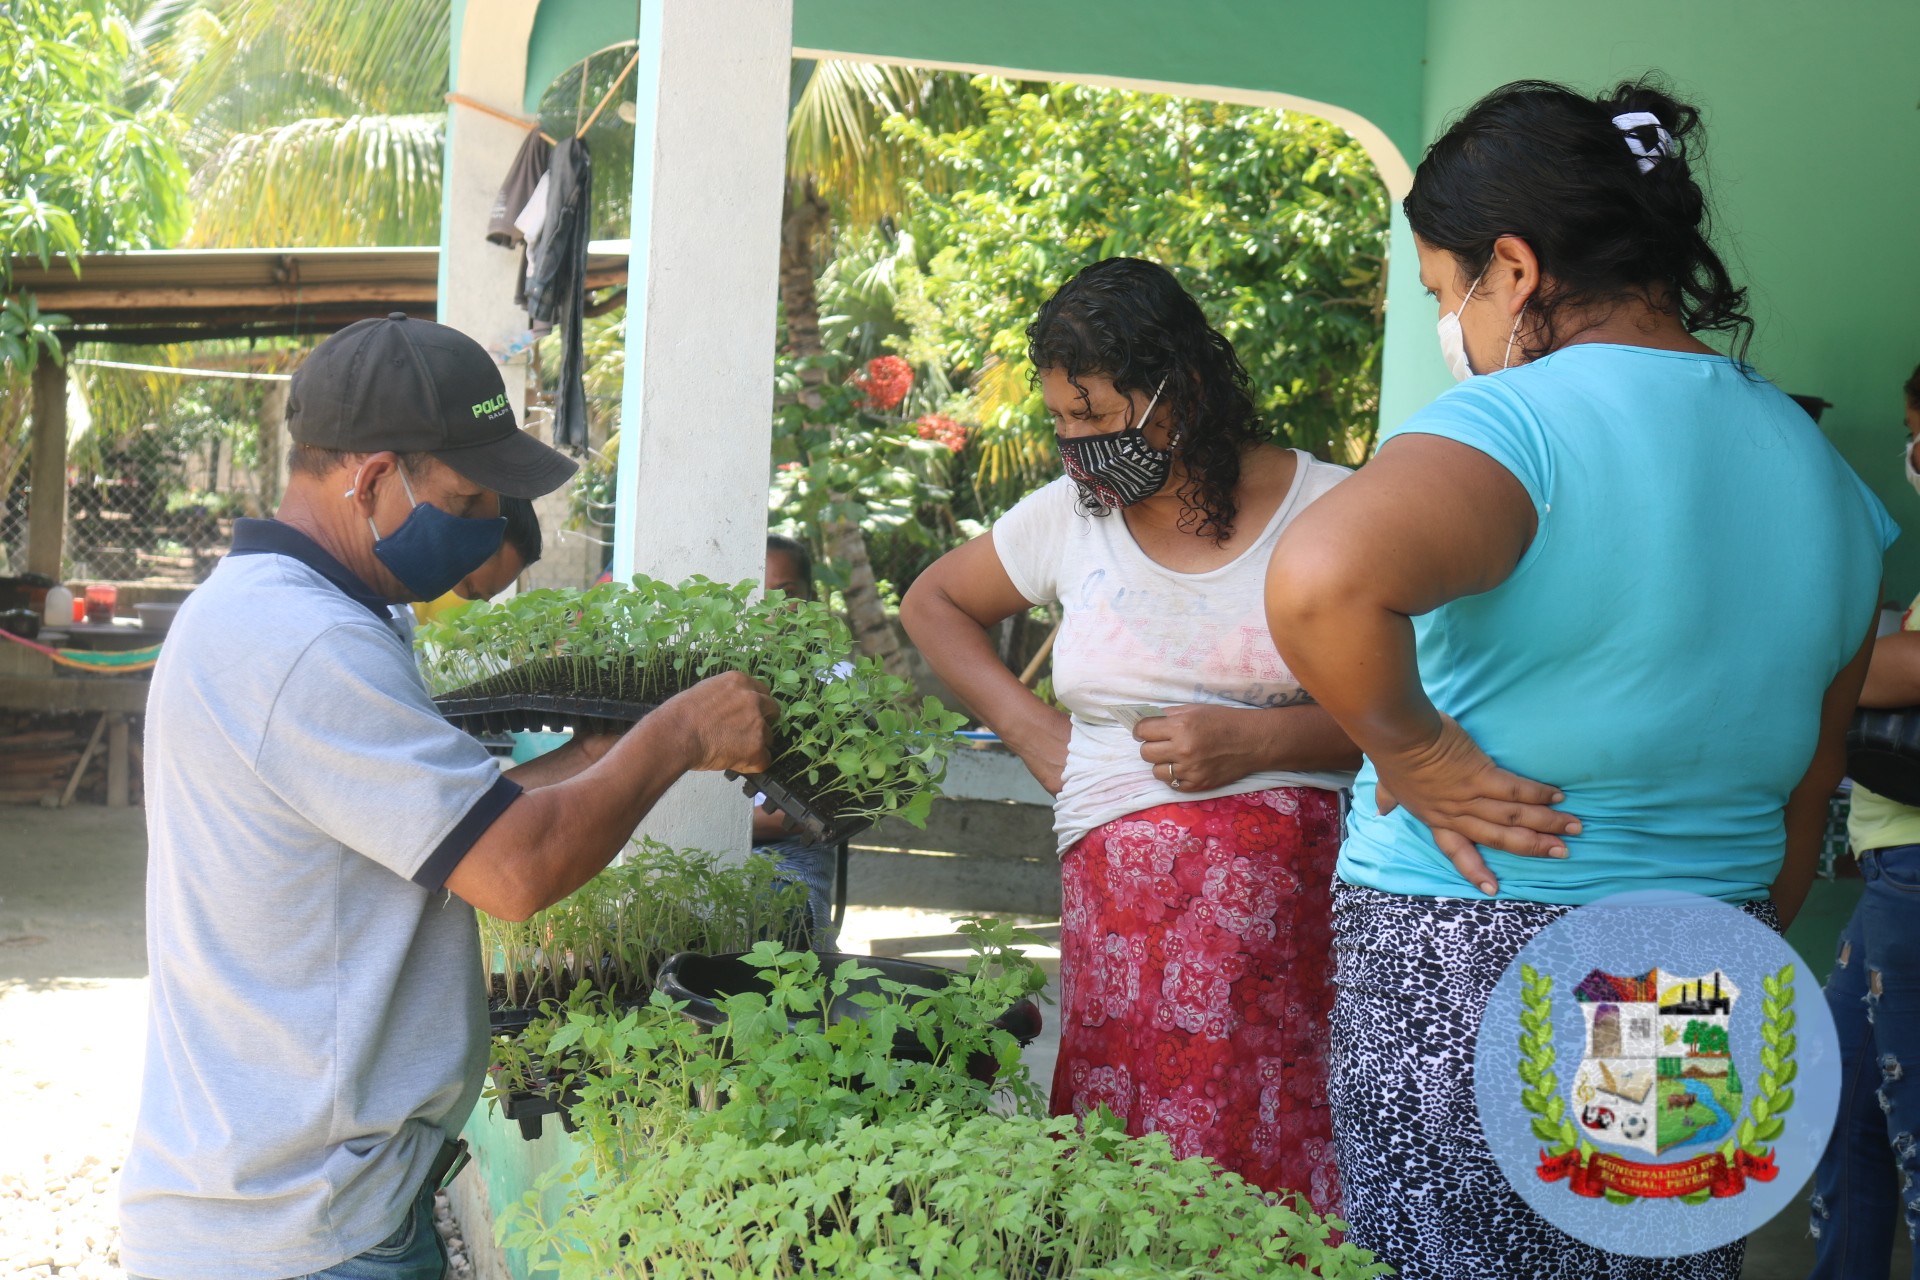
(1198, 809)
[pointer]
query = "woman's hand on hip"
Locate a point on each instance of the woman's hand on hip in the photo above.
(1199, 748)
(1042, 746)
(1467, 800)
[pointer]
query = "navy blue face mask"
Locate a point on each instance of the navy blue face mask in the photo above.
(432, 551)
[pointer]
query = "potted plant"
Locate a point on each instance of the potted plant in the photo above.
(851, 746)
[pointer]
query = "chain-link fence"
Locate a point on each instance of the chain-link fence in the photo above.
(158, 466)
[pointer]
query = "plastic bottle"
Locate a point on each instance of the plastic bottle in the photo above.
(58, 611)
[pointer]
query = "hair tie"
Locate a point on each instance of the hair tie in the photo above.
(1646, 157)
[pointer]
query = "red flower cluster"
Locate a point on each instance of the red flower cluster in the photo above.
(886, 380)
(938, 426)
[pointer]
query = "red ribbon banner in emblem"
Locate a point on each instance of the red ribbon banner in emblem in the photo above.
(1600, 1173)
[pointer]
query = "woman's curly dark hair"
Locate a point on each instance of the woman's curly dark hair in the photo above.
(1547, 164)
(1129, 320)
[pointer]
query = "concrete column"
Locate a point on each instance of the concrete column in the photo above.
(696, 415)
(477, 278)
(47, 511)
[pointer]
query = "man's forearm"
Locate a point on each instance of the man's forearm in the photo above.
(552, 840)
(1893, 674)
(563, 762)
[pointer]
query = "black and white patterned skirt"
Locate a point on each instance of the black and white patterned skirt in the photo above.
(1423, 1192)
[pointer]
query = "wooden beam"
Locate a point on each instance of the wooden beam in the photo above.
(93, 744)
(195, 298)
(76, 693)
(47, 505)
(165, 330)
(117, 790)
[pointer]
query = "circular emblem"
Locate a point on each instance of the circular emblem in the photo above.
(1657, 1073)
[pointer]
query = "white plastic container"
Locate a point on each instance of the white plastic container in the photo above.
(58, 611)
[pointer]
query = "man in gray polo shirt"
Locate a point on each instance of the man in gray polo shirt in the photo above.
(319, 836)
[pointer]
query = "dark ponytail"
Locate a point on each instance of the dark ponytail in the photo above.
(1612, 215)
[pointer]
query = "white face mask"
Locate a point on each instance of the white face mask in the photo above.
(1906, 461)
(1453, 343)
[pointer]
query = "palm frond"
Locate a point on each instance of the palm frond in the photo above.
(835, 132)
(364, 180)
(392, 55)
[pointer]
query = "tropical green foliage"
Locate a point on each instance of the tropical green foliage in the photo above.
(816, 1151)
(848, 740)
(1276, 222)
(836, 141)
(320, 123)
(81, 169)
(839, 456)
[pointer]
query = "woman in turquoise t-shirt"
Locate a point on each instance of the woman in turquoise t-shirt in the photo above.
(1619, 564)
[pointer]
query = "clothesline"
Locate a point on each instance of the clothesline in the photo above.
(88, 660)
(235, 374)
(530, 126)
(533, 126)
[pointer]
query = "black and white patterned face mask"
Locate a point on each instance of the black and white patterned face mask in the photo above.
(1117, 468)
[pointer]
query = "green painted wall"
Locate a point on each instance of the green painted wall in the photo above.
(1814, 146)
(565, 31)
(510, 1166)
(1360, 54)
(1814, 138)
(1363, 55)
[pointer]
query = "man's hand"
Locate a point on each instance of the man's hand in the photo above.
(1467, 800)
(728, 722)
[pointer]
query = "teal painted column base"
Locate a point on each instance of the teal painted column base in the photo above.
(504, 1169)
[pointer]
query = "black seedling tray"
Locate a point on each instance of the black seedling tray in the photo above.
(701, 982)
(529, 1110)
(540, 712)
(537, 712)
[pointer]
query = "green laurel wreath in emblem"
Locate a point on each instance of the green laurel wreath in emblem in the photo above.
(1760, 1123)
(1551, 1122)
(1778, 1069)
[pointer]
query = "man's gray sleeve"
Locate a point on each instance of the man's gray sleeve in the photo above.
(354, 745)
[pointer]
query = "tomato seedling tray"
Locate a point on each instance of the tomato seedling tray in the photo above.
(538, 712)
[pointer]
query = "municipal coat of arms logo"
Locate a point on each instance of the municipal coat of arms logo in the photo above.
(1658, 1075)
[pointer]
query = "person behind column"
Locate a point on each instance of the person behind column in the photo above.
(1621, 565)
(520, 549)
(800, 860)
(1197, 842)
(1869, 1179)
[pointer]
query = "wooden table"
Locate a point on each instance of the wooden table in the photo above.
(30, 681)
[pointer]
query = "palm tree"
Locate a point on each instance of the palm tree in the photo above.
(839, 166)
(320, 123)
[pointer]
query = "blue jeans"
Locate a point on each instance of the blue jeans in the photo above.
(412, 1252)
(811, 865)
(1869, 1178)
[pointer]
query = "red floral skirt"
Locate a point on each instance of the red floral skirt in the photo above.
(1196, 963)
